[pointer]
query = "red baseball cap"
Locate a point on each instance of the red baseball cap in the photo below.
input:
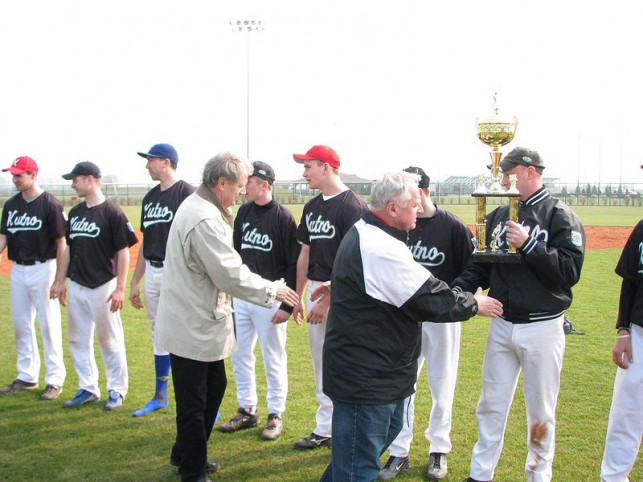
(21, 165)
(319, 153)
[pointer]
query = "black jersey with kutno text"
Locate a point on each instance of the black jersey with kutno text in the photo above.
(443, 244)
(324, 222)
(264, 236)
(630, 268)
(157, 213)
(33, 227)
(94, 235)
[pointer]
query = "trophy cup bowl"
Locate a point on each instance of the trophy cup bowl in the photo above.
(496, 131)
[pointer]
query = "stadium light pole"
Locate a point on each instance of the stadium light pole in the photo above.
(247, 27)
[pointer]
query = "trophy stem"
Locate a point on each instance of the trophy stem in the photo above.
(496, 155)
(481, 224)
(513, 214)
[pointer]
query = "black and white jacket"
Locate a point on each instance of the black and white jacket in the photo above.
(379, 296)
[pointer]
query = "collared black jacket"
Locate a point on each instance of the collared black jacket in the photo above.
(540, 287)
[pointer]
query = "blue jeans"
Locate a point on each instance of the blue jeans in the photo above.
(361, 434)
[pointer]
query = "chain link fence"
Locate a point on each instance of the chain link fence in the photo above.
(443, 193)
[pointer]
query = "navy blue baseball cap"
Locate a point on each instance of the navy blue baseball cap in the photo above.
(83, 169)
(162, 151)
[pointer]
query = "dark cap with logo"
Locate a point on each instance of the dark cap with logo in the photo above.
(424, 179)
(521, 156)
(83, 169)
(264, 171)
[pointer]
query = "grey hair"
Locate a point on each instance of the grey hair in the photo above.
(393, 186)
(226, 165)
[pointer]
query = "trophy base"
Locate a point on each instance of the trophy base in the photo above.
(489, 256)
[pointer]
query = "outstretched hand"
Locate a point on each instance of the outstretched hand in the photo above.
(487, 306)
(287, 296)
(280, 316)
(321, 291)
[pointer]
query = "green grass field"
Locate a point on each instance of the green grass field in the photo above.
(589, 215)
(43, 440)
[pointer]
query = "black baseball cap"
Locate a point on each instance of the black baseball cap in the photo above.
(264, 171)
(424, 179)
(521, 156)
(83, 169)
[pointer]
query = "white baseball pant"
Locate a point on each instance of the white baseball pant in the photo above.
(441, 350)
(30, 297)
(316, 335)
(625, 426)
(537, 349)
(252, 323)
(88, 310)
(152, 290)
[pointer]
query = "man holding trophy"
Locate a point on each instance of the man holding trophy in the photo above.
(535, 290)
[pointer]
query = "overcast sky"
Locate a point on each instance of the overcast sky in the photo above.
(387, 84)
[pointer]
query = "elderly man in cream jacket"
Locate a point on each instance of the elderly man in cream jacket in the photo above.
(194, 321)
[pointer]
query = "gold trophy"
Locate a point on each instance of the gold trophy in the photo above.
(495, 131)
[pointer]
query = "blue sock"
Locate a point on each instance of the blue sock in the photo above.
(162, 366)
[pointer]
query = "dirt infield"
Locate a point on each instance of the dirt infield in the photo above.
(607, 237)
(598, 237)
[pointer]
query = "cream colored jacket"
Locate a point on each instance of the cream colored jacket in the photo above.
(202, 272)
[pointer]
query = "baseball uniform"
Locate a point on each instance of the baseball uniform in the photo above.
(324, 222)
(264, 236)
(626, 421)
(31, 229)
(95, 235)
(157, 213)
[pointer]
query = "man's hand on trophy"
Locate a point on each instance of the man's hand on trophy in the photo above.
(516, 234)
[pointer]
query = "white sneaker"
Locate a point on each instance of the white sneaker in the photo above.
(115, 400)
(437, 466)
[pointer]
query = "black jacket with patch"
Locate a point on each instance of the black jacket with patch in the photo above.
(538, 288)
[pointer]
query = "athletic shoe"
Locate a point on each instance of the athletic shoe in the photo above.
(151, 406)
(115, 400)
(471, 479)
(394, 466)
(51, 392)
(210, 465)
(273, 427)
(17, 385)
(437, 466)
(312, 442)
(81, 398)
(241, 420)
